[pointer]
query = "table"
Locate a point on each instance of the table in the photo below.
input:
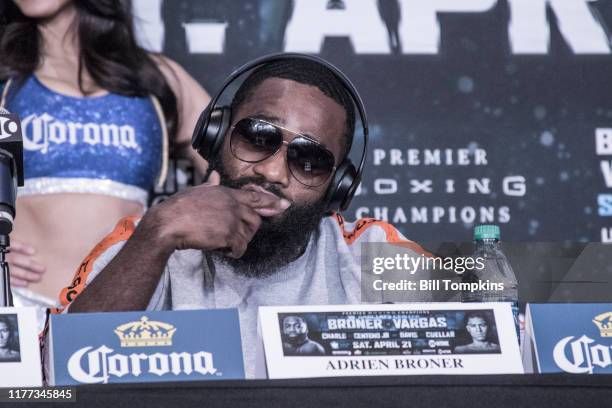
(550, 390)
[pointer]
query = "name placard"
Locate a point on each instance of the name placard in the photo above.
(19, 348)
(93, 348)
(571, 338)
(387, 339)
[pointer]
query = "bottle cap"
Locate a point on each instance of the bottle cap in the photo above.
(486, 232)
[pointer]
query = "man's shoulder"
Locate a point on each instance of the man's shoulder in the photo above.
(368, 230)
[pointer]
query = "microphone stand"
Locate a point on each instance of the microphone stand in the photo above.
(6, 297)
(8, 192)
(11, 175)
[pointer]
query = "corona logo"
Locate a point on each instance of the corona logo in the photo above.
(41, 132)
(145, 333)
(604, 324)
(91, 366)
(582, 355)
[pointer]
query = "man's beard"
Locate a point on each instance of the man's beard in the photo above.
(277, 242)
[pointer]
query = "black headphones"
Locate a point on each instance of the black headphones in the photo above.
(214, 123)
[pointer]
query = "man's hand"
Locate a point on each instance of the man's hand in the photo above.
(25, 268)
(208, 217)
(213, 217)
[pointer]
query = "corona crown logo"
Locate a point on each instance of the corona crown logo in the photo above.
(145, 333)
(604, 324)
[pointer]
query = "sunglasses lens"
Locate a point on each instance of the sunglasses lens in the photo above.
(309, 163)
(253, 140)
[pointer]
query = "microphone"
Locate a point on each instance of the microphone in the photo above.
(11, 175)
(11, 167)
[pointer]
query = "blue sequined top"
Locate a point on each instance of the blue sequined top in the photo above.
(110, 144)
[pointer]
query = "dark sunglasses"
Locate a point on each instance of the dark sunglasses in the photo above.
(254, 140)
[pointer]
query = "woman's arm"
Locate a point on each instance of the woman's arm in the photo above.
(191, 100)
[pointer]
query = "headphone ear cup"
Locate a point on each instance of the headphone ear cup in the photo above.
(343, 187)
(210, 130)
(196, 138)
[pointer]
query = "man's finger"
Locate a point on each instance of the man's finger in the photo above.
(238, 247)
(250, 217)
(246, 232)
(214, 179)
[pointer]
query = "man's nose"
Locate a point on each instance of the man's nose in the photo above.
(274, 169)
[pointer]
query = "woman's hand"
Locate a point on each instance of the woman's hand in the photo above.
(25, 268)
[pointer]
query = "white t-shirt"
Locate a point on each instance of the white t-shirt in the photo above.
(329, 272)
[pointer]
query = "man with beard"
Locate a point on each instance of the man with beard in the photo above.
(257, 233)
(295, 338)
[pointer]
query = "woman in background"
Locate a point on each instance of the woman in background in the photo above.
(98, 115)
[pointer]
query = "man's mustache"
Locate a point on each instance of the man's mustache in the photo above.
(259, 181)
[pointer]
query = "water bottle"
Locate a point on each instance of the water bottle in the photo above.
(496, 269)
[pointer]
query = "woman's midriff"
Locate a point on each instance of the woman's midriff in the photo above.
(63, 228)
